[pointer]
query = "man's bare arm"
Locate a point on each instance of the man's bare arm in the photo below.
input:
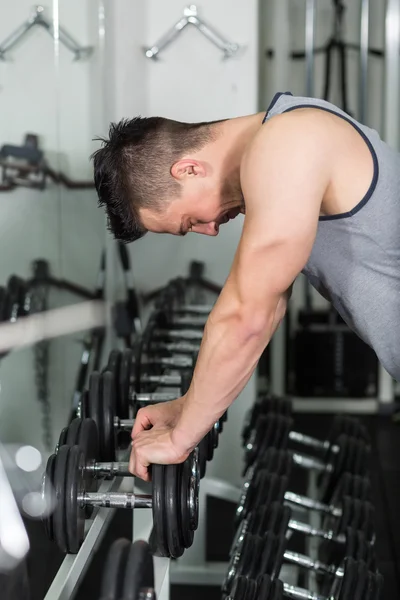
(284, 178)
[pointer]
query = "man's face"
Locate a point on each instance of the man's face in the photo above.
(201, 208)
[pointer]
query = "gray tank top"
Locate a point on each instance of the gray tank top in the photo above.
(355, 260)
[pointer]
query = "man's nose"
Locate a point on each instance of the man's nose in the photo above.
(206, 228)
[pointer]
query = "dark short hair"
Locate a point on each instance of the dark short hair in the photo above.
(132, 168)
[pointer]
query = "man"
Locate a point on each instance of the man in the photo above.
(320, 193)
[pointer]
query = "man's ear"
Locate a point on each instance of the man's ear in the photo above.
(187, 167)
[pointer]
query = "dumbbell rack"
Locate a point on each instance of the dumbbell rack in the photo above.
(74, 566)
(193, 568)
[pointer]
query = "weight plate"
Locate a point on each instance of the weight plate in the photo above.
(124, 384)
(48, 495)
(95, 411)
(189, 500)
(210, 444)
(272, 555)
(73, 432)
(282, 433)
(114, 570)
(172, 497)
(234, 566)
(239, 589)
(137, 365)
(114, 362)
(341, 462)
(107, 441)
(362, 582)
(74, 512)
(343, 589)
(203, 447)
(252, 560)
(88, 442)
(62, 440)
(60, 471)
(158, 507)
(264, 585)
(215, 433)
(251, 593)
(84, 405)
(139, 571)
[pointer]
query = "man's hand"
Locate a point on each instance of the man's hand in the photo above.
(164, 414)
(156, 446)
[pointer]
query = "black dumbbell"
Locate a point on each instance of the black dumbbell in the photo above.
(283, 406)
(257, 555)
(99, 404)
(279, 462)
(352, 457)
(128, 572)
(120, 365)
(276, 518)
(357, 583)
(270, 487)
(174, 500)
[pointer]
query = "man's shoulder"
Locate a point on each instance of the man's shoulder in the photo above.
(285, 135)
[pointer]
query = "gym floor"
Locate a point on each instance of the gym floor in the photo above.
(44, 559)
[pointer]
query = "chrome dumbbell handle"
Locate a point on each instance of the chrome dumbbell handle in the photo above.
(109, 469)
(116, 500)
(189, 321)
(296, 593)
(310, 463)
(153, 397)
(200, 309)
(180, 334)
(314, 532)
(310, 504)
(162, 379)
(307, 440)
(301, 560)
(183, 347)
(179, 362)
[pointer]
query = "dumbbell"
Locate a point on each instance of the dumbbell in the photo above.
(263, 550)
(120, 365)
(352, 457)
(128, 572)
(273, 404)
(351, 512)
(276, 518)
(99, 404)
(357, 583)
(279, 462)
(174, 499)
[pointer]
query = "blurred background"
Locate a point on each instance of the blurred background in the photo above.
(69, 68)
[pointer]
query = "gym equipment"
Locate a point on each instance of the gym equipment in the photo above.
(128, 572)
(272, 404)
(253, 492)
(357, 583)
(174, 500)
(99, 404)
(354, 512)
(127, 372)
(255, 553)
(273, 431)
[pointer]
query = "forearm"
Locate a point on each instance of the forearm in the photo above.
(228, 356)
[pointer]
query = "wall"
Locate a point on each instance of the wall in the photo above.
(43, 91)
(190, 82)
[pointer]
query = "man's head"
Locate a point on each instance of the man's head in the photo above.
(155, 174)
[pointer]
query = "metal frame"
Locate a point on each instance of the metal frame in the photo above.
(70, 574)
(37, 18)
(190, 17)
